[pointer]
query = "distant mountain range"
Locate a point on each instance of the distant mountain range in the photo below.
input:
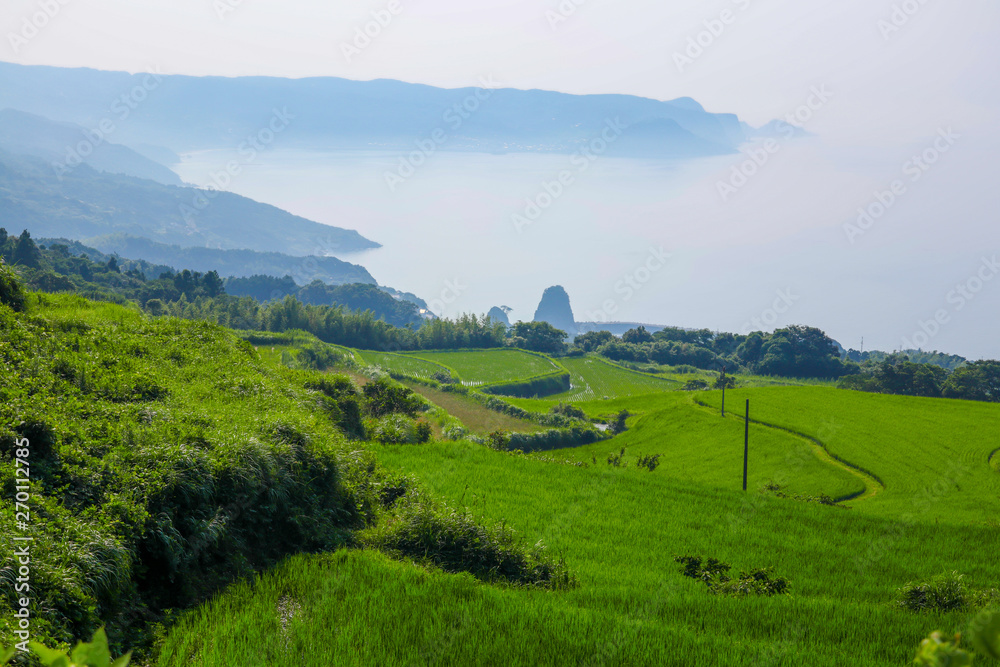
(83, 204)
(67, 145)
(228, 263)
(184, 113)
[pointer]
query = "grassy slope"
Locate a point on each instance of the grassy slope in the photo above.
(619, 528)
(402, 363)
(488, 366)
(695, 444)
(473, 415)
(160, 450)
(932, 454)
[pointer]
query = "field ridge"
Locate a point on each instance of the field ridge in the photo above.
(873, 484)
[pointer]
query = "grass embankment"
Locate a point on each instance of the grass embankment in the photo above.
(620, 529)
(474, 416)
(478, 367)
(931, 454)
(167, 459)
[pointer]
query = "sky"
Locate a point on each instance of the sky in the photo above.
(894, 76)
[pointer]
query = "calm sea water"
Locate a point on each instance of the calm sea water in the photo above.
(652, 241)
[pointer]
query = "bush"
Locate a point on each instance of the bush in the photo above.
(649, 462)
(714, 574)
(11, 292)
(617, 424)
(454, 432)
(695, 385)
(344, 404)
(394, 430)
(384, 397)
(318, 357)
(444, 377)
(554, 438)
(946, 592)
(569, 410)
(423, 431)
(455, 542)
(617, 460)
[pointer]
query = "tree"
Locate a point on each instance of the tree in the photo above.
(978, 381)
(213, 284)
(539, 337)
(26, 253)
(11, 293)
(592, 340)
(638, 336)
(800, 351)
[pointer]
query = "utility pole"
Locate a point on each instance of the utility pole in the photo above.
(723, 391)
(746, 443)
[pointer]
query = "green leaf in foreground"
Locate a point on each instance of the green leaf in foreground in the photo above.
(985, 634)
(93, 654)
(936, 651)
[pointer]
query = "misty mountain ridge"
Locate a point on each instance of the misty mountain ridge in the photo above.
(68, 145)
(185, 113)
(84, 204)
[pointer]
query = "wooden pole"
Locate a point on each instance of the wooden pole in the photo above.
(723, 391)
(746, 444)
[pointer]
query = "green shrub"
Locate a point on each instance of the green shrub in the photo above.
(569, 410)
(318, 356)
(617, 460)
(394, 429)
(695, 385)
(617, 424)
(946, 592)
(11, 292)
(344, 405)
(650, 462)
(453, 541)
(714, 574)
(384, 397)
(554, 438)
(424, 431)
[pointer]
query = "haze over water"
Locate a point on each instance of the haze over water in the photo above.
(770, 252)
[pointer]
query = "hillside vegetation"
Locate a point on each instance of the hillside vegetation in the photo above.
(167, 460)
